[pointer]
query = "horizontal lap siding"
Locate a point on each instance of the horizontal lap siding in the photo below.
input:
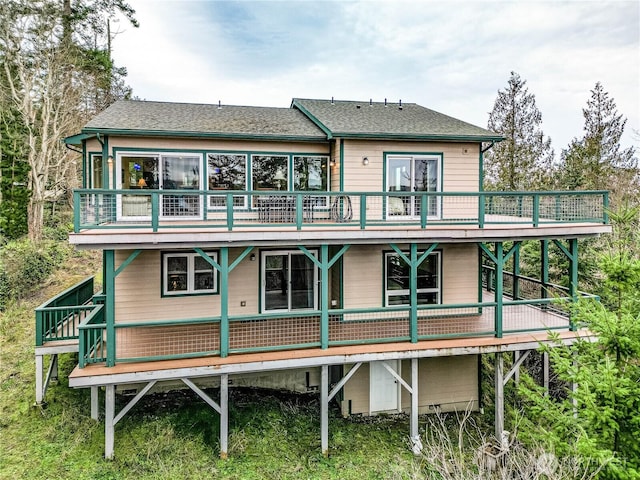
(363, 274)
(460, 169)
(444, 384)
(138, 291)
(188, 144)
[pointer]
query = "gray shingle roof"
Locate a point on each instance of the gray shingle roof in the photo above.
(134, 116)
(409, 120)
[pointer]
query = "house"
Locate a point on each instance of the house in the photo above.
(339, 246)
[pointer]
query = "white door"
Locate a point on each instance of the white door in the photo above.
(384, 390)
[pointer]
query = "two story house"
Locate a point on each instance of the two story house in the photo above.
(342, 247)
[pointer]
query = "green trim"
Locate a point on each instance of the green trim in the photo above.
(205, 256)
(341, 164)
(126, 263)
(313, 119)
(425, 137)
(481, 171)
(109, 305)
(78, 139)
(187, 134)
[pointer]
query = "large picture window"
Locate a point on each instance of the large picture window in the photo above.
(188, 273)
(289, 281)
(397, 280)
(226, 171)
(412, 173)
(270, 172)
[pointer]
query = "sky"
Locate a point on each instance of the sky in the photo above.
(450, 56)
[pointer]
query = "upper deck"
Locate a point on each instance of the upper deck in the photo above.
(139, 218)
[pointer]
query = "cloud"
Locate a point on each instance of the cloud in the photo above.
(450, 56)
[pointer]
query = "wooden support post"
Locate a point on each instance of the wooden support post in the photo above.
(39, 379)
(413, 427)
(413, 293)
(109, 288)
(574, 388)
(545, 373)
(224, 301)
(544, 270)
(109, 413)
(224, 415)
(499, 395)
(324, 409)
(498, 293)
(95, 410)
(324, 296)
(516, 272)
(516, 373)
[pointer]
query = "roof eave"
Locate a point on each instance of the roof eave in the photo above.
(236, 136)
(313, 118)
(424, 137)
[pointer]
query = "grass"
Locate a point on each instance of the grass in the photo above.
(272, 435)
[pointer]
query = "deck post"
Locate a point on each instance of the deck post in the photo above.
(39, 379)
(574, 387)
(413, 292)
(94, 403)
(516, 373)
(324, 409)
(516, 272)
(544, 269)
(224, 415)
(499, 394)
(224, 302)
(413, 427)
(545, 373)
(324, 296)
(498, 292)
(109, 411)
(109, 304)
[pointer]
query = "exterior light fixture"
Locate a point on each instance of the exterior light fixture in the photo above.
(332, 162)
(110, 160)
(365, 161)
(252, 257)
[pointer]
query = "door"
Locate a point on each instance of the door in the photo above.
(412, 174)
(289, 281)
(384, 391)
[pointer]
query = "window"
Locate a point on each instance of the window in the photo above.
(289, 281)
(397, 275)
(226, 171)
(412, 173)
(270, 172)
(188, 273)
(96, 171)
(311, 174)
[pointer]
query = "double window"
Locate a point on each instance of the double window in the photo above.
(412, 174)
(188, 273)
(397, 274)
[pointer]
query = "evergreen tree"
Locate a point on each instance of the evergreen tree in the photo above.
(597, 161)
(600, 418)
(524, 158)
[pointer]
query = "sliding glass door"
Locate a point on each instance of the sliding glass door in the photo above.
(289, 281)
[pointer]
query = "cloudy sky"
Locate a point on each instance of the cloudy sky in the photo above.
(451, 56)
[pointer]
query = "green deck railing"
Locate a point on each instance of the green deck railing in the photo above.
(59, 317)
(197, 337)
(226, 210)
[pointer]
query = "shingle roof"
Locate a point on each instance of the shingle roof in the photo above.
(341, 118)
(143, 117)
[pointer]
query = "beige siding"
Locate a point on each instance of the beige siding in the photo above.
(444, 384)
(187, 144)
(460, 169)
(363, 275)
(138, 291)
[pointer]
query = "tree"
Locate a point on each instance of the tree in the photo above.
(597, 161)
(600, 418)
(524, 158)
(48, 73)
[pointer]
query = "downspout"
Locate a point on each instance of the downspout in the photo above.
(481, 161)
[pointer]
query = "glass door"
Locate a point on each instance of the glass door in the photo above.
(289, 280)
(181, 173)
(412, 174)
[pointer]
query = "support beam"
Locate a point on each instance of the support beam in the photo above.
(95, 403)
(207, 399)
(516, 366)
(343, 381)
(413, 423)
(39, 379)
(133, 401)
(109, 286)
(109, 411)
(545, 373)
(324, 409)
(516, 373)
(224, 415)
(499, 395)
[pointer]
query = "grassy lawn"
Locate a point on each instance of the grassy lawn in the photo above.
(272, 435)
